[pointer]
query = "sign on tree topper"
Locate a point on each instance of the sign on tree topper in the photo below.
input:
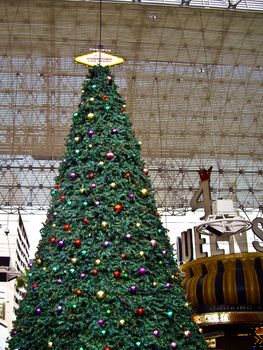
(99, 58)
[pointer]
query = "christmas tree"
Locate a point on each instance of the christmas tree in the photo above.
(105, 276)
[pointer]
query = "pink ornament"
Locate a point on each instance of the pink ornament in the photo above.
(97, 203)
(156, 333)
(168, 285)
(142, 271)
(128, 236)
(93, 186)
(173, 345)
(114, 131)
(153, 243)
(145, 171)
(100, 322)
(110, 155)
(59, 281)
(82, 275)
(72, 175)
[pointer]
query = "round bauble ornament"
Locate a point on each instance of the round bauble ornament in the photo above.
(62, 198)
(85, 204)
(97, 262)
(83, 252)
(91, 175)
(122, 322)
(187, 333)
(72, 175)
(104, 224)
(59, 308)
(77, 138)
(94, 272)
(144, 192)
(82, 275)
(39, 262)
(133, 289)
(61, 243)
(110, 155)
(173, 345)
(128, 174)
(114, 131)
(94, 86)
(52, 240)
(77, 242)
(167, 285)
(138, 344)
(128, 236)
(145, 171)
(13, 332)
(107, 244)
(74, 260)
(72, 270)
(169, 313)
(69, 203)
(90, 133)
(59, 281)
(113, 185)
(131, 196)
(100, 294)
(138, 224)
(155, 284)
(82, 190)
(90, 116)
(90, 145)
(107, 108)
(118, 207)
(153, 243)
(104, 97)
(66, 227)
(78, 292)
(103, 332)
(50, 344)
(77, 151)
(140, 311)
(34, 286)
(107, 348)
(85, 220)
(123, 256)
(100, 322)
(156, 333)
(53, 193)
(116, 274)
(93, 186)
(91, 99)
(38, 311)
(141, 253)
(142, 271)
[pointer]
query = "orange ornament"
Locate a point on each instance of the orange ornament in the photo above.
(118, 207)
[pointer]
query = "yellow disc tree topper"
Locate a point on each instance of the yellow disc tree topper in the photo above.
(99, 58)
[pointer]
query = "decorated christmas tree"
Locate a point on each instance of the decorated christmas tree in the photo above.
(105, 276)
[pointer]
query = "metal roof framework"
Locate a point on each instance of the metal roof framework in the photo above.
(192, 79)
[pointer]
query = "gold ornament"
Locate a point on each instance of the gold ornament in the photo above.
(39, 261)
(173, 277)
(155, 284)
(90, 116)
(91, 99)
(100, 294)
(44, 268)
(104, 224)
(101, 163)
(122, 322)
(138, 224)
(141, 253)
(77, 139)
(82, 190)
(144, 192)
(74, 260)
(50, 344)
(113, 185)
(54, 225)
(90, 145)
(97, 262)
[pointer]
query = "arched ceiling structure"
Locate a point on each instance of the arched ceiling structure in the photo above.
(192, 79)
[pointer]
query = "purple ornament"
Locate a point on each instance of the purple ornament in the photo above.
(142, 271)
(93, 185)
(38, 311)
(133, 289)
(131, 196)
(100, 322)
(173, 345)
(110, 155)
(59, 281)
(168, 285)
(156, 333)
(82, 275)
(106, 244)
(114, 131)
(90, 133)
(72, 175)
(59, 308)
(61, 244)
(128, 236)
(13, 332)
(30, 265)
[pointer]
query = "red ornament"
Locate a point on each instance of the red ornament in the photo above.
(34, 285)
(145, 171)
(85, 220)
(77, 242)
(57, 186)
(94, 272)
(109, 79)
(62, 198)
(53, 240)
(104, 97)
(66, 227)
(107, 348)
(78, 292)
(123, 256)
(91, 175)
(127, 174)
(110, 155)
(118, 207)
(140, 311)
(116, 274)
